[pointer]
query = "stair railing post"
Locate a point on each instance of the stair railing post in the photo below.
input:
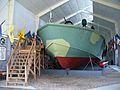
(7, 75)
(34, 49)
(26, 76)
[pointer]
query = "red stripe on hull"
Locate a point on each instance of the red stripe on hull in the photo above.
(74, 62)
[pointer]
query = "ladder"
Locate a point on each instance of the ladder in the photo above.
(24, 62)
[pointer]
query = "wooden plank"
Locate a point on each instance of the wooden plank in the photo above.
(19, 77)
(16, 73)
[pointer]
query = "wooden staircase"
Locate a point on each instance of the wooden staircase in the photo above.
(24, 62)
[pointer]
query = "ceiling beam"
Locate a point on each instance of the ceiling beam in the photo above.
(105, 18)
(108, 19)
(99, 25)
(100, 16)
(106, 28)
(107, 3)
(73, 14)
(52, 8)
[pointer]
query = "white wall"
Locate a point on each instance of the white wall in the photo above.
(23, 18)
(4, 15)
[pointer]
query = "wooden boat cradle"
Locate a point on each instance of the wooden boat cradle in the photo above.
(24, 62)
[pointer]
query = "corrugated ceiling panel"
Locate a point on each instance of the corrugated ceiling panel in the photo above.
(73, 19)
(37, 6)
(73, 5)
(59, 13)
(46, 17)
(84, 15)
(33, 5)
(50, 2)
(78, 16)
(81, 4)
(66, 9)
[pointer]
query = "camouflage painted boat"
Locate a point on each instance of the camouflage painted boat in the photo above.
(71, 45)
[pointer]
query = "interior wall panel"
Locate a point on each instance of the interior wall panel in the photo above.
(23, 18)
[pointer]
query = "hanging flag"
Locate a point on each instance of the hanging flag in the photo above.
(11, 33)
(0, 31)
(21, 34)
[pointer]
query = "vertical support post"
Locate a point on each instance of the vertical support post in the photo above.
(37, 23)
(42, 50)
(10, 11)
(116, 55)
(34, 49)
(91, 63)
(26, 76)
(7, 75)
(10, 21)
(39, 60)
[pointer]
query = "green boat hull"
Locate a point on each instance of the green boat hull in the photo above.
(71, 41)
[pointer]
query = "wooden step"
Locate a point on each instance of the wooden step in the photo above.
(16, 83)
(17, 67)
(16, 78)
(19, 63)
(22, 63)
(16, 73)
(26, 51)
(23, 58)
(18, 60)
(20, 57)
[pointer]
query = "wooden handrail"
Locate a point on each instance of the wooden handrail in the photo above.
(13, 53)
(26, 67)
(29, 53)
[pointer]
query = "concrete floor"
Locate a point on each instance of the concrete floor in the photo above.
(109, 87)
(72, 83)
(52, 82)
(59, 82)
